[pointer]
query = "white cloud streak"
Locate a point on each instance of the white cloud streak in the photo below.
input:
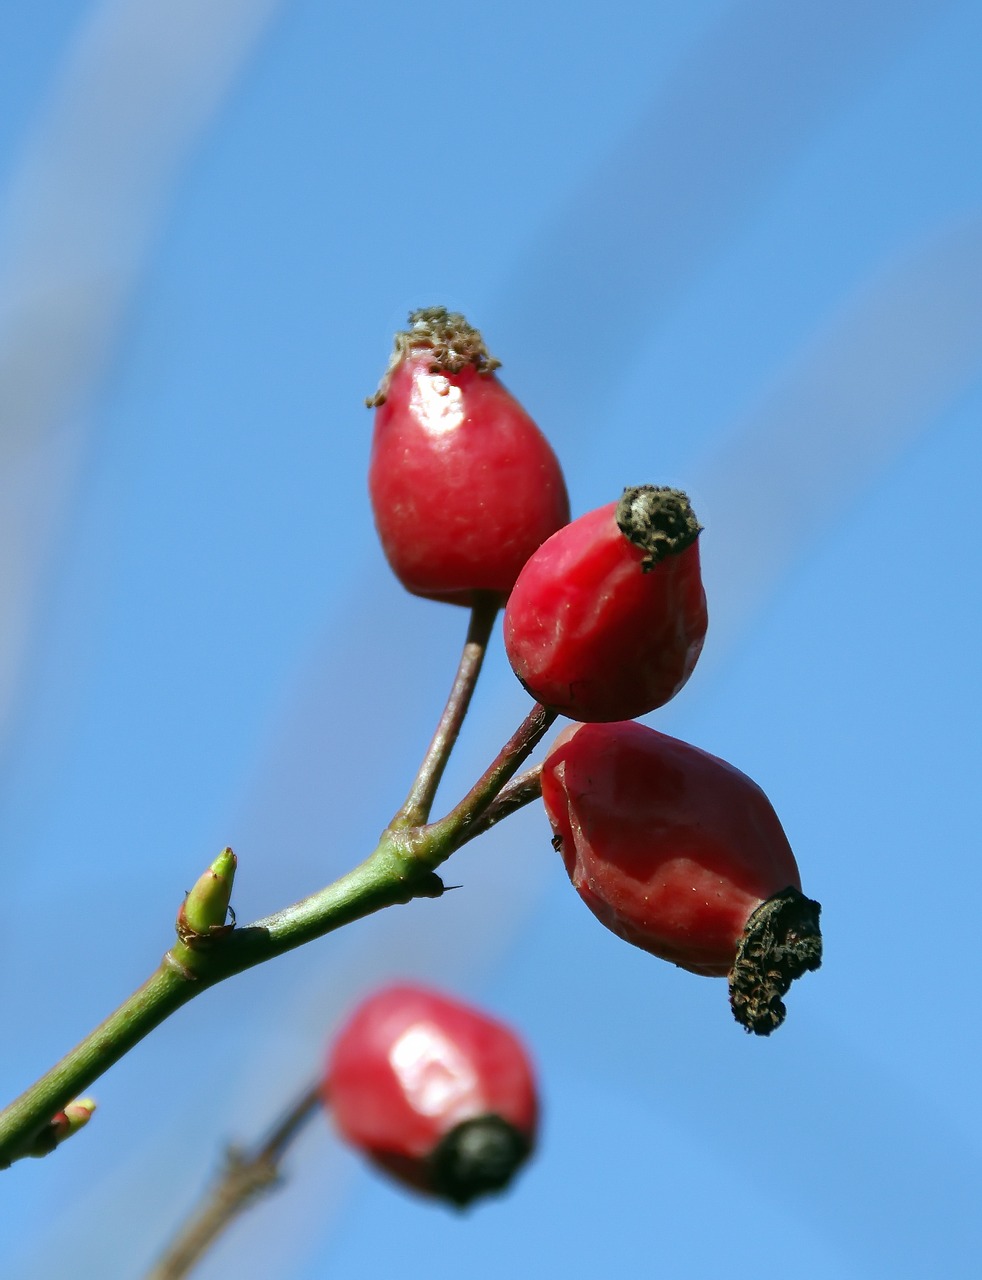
(140, 83)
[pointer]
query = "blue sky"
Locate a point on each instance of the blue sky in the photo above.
(731, 246)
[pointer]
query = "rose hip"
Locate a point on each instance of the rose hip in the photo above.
(681, 854)
(463, 484)
(440, 1096)
(608, 617)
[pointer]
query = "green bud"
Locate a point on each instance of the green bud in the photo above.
(75, 1116)
(206, 906)
(61, 1126)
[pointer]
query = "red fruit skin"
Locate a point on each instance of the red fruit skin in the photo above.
(410, 1065)
(671, 848)
(464, 485)
(593, 636)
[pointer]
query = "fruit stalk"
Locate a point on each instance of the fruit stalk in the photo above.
(461, 823)
(418, 803)
(516, 795)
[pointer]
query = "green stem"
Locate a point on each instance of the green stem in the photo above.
(162, 993)
(389, 876)
(419, 802)
(401, 868)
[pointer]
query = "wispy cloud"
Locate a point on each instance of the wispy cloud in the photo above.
(138, 86)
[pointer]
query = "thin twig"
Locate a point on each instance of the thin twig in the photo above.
(245, 1176)
(454, 830)
(419, 802)
(518, 793)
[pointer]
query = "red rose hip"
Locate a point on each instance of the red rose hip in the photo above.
(681, 854)
(608, 617)
(463, 484)
(437, 1094)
